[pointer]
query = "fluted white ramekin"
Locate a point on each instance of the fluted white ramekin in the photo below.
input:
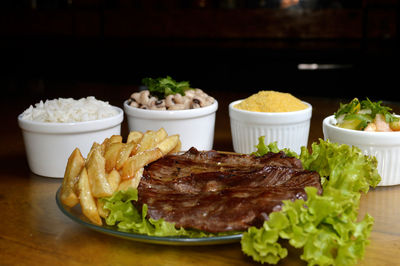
(194, 126)
(48, 145)
(385, 146)
(288, 129)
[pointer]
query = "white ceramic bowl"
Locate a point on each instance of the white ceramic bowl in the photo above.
(385, 146)
(48, 145)
(194, 126)
(288, 129)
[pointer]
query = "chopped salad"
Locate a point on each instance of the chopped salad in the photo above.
(367, 116)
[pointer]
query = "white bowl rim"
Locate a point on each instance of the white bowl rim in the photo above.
(270, 114)
(71, 127)
(329, 120)
(169, 114)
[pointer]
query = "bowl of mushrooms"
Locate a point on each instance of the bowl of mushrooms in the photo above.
(177, 108)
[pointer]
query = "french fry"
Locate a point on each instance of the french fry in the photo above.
(132, 182)
(168, 144)
(95, 145)
(139, 160)
(108, 141)
(112, 166)
(134, 136)
(111, 155)
(127, 150)
(177, 147)
(97, 175)
(147, 141)
(161, 134)
(88, 203)
(100, 208)
(75, 164)
(114, 178)
(104, 145)
(115, 139)
(151, 139)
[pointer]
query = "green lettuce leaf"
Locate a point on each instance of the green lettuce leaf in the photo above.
(124, 215)
(324, 226)
(348, 169)
(262, 148)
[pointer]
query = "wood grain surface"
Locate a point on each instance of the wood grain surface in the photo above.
(33, 231)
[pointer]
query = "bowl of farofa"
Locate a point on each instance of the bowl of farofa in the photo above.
(188, 112)
(53, 129)
(280, 117)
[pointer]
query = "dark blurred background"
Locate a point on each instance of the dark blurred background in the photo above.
(322, 48)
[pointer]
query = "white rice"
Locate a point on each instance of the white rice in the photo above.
(66, 110)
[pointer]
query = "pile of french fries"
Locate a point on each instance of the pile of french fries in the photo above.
(110, 167)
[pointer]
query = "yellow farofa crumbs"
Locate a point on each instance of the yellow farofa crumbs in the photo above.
(271, 101)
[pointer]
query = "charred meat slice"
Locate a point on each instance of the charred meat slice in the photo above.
(193, 161)
(218, 192)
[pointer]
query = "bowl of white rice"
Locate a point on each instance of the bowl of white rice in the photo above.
(54, 128)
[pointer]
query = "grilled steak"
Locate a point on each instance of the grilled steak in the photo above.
(217, 192)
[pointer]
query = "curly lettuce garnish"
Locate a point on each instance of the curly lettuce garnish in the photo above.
(324, 226)
(263, 148)
(127, 218)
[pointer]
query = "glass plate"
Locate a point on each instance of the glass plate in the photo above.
(76, 215)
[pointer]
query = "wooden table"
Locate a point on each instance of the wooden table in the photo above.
(33, 231)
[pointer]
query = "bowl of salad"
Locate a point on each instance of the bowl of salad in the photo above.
(176, 107)
(373, 128)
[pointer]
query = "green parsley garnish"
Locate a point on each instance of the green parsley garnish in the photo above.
(162, 87)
